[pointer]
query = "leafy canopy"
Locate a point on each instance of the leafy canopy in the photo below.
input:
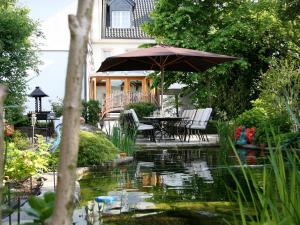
(17, 54)
(253, 31)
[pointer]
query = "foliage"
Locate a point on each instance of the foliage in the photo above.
(226, 27)
(22, 121)
(264, 123)
(90, 111)
(275, 198)
(21, 164)
(142, 109)
(40, 208)
(20, 140)
(278, 104)
(94, 149)
(53, 160)
(124, 139)
(280, 87)
(17, 54)
(226, 132)
(290, 140)
(252, 118)
(57, 107)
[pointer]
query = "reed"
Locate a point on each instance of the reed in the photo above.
(124, 139)
(274, 199)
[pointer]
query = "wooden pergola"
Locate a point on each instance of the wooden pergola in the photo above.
(113, 102)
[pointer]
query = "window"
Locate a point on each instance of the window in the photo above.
(120, 19)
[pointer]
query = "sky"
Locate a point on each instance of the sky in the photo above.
(53, 20)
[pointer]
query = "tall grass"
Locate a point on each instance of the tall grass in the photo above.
(124, 139)
(276, 198)
(226, 132)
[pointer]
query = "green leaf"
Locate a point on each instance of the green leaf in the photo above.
(32, 212)
(49, 197)
(37, 203)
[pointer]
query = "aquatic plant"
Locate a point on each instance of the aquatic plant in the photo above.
(124, 139)
(226, 132)
(274, 199)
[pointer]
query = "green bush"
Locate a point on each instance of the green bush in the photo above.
(22, 121)
(252, 118)
(21, 164)
(20, 140)
(142, 109)
(57, 107)
(265, 124)
(94, 148)
(90, 111)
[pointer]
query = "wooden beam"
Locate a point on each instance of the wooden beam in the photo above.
(107, 92)
(94, 89)
(126, 85)
(144, 87)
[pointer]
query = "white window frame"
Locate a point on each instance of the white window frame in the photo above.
(120, 19)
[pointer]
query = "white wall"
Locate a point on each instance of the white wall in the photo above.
(116, 46)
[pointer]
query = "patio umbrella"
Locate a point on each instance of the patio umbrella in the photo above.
(163, 58)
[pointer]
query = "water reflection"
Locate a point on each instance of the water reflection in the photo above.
(190, 178)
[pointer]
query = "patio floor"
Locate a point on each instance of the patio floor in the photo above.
(144, 144)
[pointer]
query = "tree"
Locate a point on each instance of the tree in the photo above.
(17, 54)
(249, 30)
(79, 28)
(2, 97)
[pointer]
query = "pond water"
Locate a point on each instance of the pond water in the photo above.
(164, 187)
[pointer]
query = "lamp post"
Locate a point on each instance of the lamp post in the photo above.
(33, 121)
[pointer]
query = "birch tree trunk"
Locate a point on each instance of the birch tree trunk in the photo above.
(79, 28)
(2, 97)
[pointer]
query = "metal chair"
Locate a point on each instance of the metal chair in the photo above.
(199, 124)
(188, 116)
(141, 127)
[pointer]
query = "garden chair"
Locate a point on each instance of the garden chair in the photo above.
(141, 127)
(199, 124)
(188, 117)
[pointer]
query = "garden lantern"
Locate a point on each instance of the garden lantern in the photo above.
(33, 122)
(38, 94)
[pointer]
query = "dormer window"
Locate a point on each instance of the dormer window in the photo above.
(120, 13)
(120, 19)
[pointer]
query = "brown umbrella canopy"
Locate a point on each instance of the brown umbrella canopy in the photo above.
(163, 58)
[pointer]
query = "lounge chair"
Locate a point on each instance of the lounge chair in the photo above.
(199, 124)
(188, 117)
(141, 127)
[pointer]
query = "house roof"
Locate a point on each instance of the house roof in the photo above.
(141, 13)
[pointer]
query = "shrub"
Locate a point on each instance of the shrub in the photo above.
(21, 164)
(142, 109)
(94, 148)
(252, 118)
(20, 140)
(277, 122)
(90, 111)
(57, 107)
(22, 121)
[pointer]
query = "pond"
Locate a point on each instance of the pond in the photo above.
(165, 187)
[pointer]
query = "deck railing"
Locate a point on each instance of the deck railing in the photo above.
(116, 101)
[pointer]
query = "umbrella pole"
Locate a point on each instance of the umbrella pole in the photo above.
(176, 103)
(162, 88)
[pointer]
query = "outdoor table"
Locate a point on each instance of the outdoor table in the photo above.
(164, 126)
